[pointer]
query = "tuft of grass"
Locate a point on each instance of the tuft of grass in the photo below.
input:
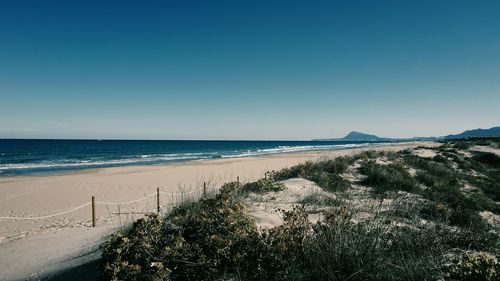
(490, 186)
(388, 177)
(263, 185)
(325, 173)
(320, 200)
(344, 250)
(329, 182)
(489, 159)
(435, 211)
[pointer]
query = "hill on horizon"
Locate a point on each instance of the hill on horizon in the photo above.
(491, 132)
(356, 136)
(359, 136)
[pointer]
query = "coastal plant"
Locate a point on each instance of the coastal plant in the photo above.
(263, 185)
(342, 249)
(292, 172)
(319, 199)
(194, 242)
(326, 173)
(134, 256)
(435, 211)
(283, 247)
(473, 266)
(388, 177)
(489, 159)
(329, 181)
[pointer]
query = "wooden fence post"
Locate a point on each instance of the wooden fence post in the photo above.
(204, 190)
(238, 181)
(158, 199)
(93, 211)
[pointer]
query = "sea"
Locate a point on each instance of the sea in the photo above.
(39, 156)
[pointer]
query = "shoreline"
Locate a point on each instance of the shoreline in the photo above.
(40, 247)
(182, 162)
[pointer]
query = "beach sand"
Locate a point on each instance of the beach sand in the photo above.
(37, 248)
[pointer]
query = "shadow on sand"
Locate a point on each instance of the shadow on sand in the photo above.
(84, 272)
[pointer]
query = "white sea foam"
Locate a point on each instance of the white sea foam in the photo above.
(305, 148)
(163, 158)
(96, 163)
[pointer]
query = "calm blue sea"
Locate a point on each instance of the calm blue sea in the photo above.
(22, 156)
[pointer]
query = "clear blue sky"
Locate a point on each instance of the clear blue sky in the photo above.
(247, 69)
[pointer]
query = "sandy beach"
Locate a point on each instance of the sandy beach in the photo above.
(35, 248)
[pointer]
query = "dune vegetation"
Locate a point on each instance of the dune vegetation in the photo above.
(430, 213)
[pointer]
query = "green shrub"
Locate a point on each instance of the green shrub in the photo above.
(388, 177)
(438, 178)
(414, 161)
(435, 211)
(325, 173)
(343, 250)
(263, 185)
(489, 159)
(292, 172)
(284, 246)
(463, 210)
(462, 145)
(194, 242)
(329, 182)
(473, 266)
(320, 200)
(133, 256)
(490, 186)
(334, 166)
(484, 202)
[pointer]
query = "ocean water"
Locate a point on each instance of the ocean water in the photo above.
(24, 156)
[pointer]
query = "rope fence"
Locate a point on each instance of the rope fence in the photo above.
(47, 216)
(94, 202)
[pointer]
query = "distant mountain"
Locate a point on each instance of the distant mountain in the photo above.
(358, 136)
(491, 132)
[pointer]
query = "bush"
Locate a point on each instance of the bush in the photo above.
(490, 186)
(489, 159)
(388, 177)
(336, 166)
(282, 250)
(195, 242)
(473, 266)
(462, 145)
(320, 200)
(133, 256)
(329, 182)
(439, 178)
(292, 172)
(435, 211)
(463, 210)
(343, 250)
(325, 173)
(263, 185)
